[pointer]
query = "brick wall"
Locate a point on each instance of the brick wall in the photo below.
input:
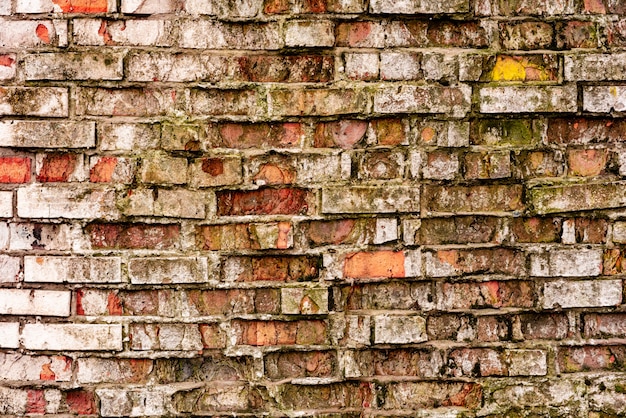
(331, 208)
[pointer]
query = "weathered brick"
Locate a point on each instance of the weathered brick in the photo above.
(568, 198)
(231, 237)
(444, 134)
(526, 35)
(528, 99)
(381, 165)
(400, 66)
(526, 68)
(427, 395)
(304, 301)
(533, 164)
(15, 169)
(455, 230)
(471, 199)
(168, 270)
(362, 199)
(205, 34)
(486, 261)
(246, 8)
(73, 66)
(298, 365)
(34, 302)
(506, 132)
(24, 367)
(604, 99)
(10, 334)
(262, 135)
(225, 102)
(65, 6)
(77, 337)
(127, 102)
(34, 101)
(265, 202)
(365, 34)
(481, 362)
(7, 66)
(316, 33)
(59, 167)
(270, 268)
(163, 169)
(387, 296)
(135, 32)
(595, 67)
(68, 202)
(361, 66)
(343, 134)
(131, 236)
(133, 402)
(235, 301)
(33, 33)
(104, 169)
(6, 204)
(590, 358)
(363, 265)
(584, 231)
(577, 34)
(286, 69)
(582, 294)
(399, 329)
(149, 7)
(535, 230)
(423, 99)
(127, 136)
(10, 269)
(606, 325)
(104, 370)
(440, 165)
(165, 337)
(215, 171)
(57, 269)
(317, 102)
(567, 263)
(338, 396)
(264, 333)
(335, 232)
(393, 362)
(492, 294)
(580, 131)
(544, 326)
(492, 165)
(419, 7)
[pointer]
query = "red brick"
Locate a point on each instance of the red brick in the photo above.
(336, 396)
(263, 202)
(580, 131)
(458, 230)
(261, 135)
(36, 402)
(487, 165)
(389, 131)
(476, 261)
(576, 34)
(133, 236)
(280, 366)
(616, 33)
(382, 165)
(286, 69)
(609, 325)
(272, 268)
(375, 264)
(343, 134)
(82, 6)
(81, 402)
(457, 34)
(535, 230)
(333, 232)
(222, 302)
(212, 336)
(14, 169)
(476, 362)
(243, 236)
(57, 167)
(360, 34)
(386, 296)
(532, 164)
(398, 362)
(492, 294)
(587, 162)
(103, 170)
(544, 326)
(590, 231)
(526, 35)
(280, 170)
(591, 358)
(594, 6)
(264, 333)
(493, 328)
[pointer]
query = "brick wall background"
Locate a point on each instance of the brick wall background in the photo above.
(330, 208)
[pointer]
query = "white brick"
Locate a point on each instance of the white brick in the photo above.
(128, 136)
(5, 8)
(14, 366)
(582, 294)
(151, 401)
(7, 69)
(595, 67)
(123, 32)
(9, 334)
(9, 269)
(99, 370)
(51, 269)
(362, 66)
(319, 168)
(166, 337)
(299, 300)
(399, 329)
(399, 66)
(180, 204)
(309, 33)
(29, 236)
(51, 6)
(35, 302)
(240, 8)
(74, 66)
(604, 99)
(205, 34)
(4, 235)
(79, 337)
(527, 363)
(13, 401)
(44, 134)
(386, 230)
(168, 270)
(619, 232)
(370, 199)
(567, 263)
(149, 7)
(35, 101)
(74, 202)
(514, 99)
(24, 33)
(164, 66)
(419, 6)
(454, 101)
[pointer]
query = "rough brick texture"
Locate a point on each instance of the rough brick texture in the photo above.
(325, 208)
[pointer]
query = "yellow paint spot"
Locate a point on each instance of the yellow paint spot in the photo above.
(518, 69)
(613, 91)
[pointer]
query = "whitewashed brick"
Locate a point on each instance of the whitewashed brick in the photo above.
(35, 302)
(44, 134)
(386, 230)
(73, 202)
(619, 232)
(399, 329)
(14, 366)
(595, 67)
(361, 66)
(399, 66)
(514, 99)
(117, 402)
(166, 337)
(8, 67)
(582, 294)
(370, 199)
(454, 101)
(4, 235)
(13, 401)
(309, 33)
(9, 269)
(419, 6)
(168, 270)
(567, 263)
(9, 334)
(527, 362)
(164, 66)
(33, 33)
(34, 101)
(604, 99)
(29, 236)
(51, 6)
(149, 7)
(55, 269)
(99, 370)
(298, 300)
(240, 8)
(78, 337)
(204, 34)
(99, 65)
(5, 8)
(123, 32)
(128, 136)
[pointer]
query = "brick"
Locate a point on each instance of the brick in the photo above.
(594, 67)
(132, 236)
(59, 167)
(470, 34)
(399, 329)
(457, 230)
(270, 268)
(577, 34)
(33, 33)
(576, 197)
(427, 395)
(491, 329)
(526, 68)
(609, 401)
(533, 164)
(582, 294)
(135, 32)
(441, 165)
(526, 35)
(127, 136)
(234, 301)
(506, 132)
(205, 34)
(231, 237)
(544, 326)
(165, 337)
(604, 325)
(149, 7)
(34, 101)
(485, 261)
(584, 231)
(304, 301)
(381, 165)
(482, 295)
(590, 358)
(262, 135)
(338, 396)
(67, 6)
(335, 232)
(535, 230)
(419, 7)
(298, 365)
(6, 204)
(387, 296)
(361, 66)
(7, 66)
(73, 66)
(163, 169)
(344, 134)
(580, 131)
(168, 270)
(604, 99)
(57, 269)
(225, 102)
(391, 264)
(493, 165)
(159, 66)
(132, 402)
(104, 169)
(229, 397)
(616, 33)
(444, 134)
(317, 33)
(74, 202)
(247, 8)
(32, 368)
(423, 99)
(528, 99)
(10, 268)
(13, 401)
(471, 199)
(567, 263)
(103, 370)
(362, 199)
(127, 102)
(34, 302)
(10, 334)
(587, 162)
(215, 171)
(286, 69)
(266, 333)
(264, 202)
(393, 362)
(400, 66)
(476, 363)
(78, 337)
(317, 102)
(365, 34)
(15, 169)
